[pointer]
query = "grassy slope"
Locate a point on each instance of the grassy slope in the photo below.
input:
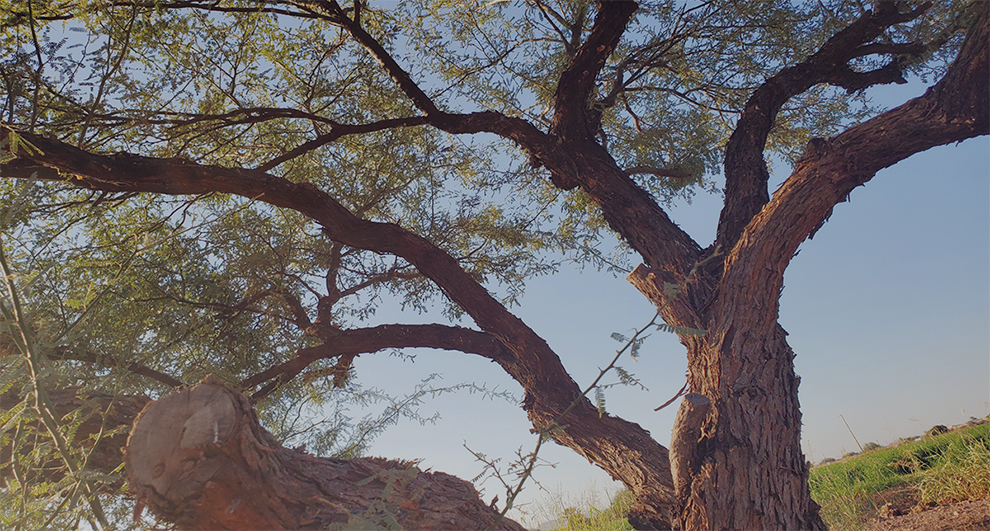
(944, 468)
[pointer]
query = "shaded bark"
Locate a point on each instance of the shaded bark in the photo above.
(752, 473)
(746, 172)
(200, 459)
(744, 467)
(98, 359)
(418, 500)
(684, 440)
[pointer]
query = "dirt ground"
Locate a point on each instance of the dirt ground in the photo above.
(904, 514)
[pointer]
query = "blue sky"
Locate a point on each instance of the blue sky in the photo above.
(888, 310)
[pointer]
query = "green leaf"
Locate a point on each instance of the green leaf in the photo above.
(600, 400)
(681, 330)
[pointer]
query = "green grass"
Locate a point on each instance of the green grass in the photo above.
(944, 468)
(589, 514)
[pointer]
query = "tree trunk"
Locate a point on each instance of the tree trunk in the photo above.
(741, 468)
(200, 459)
(746, 467)
(750, 472)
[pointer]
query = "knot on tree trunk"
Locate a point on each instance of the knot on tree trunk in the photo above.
(200, 459)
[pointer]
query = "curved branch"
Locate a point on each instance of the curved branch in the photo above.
(95, 358)
(746, 172)
(956, 108)
(540, 146)
(367, 340)
(629, 210)
(124, 172)
(622, 448)
(216, 8)
(247, 115)
(106, 360)
(341, 130)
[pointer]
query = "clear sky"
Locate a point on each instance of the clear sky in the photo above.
(888, 310)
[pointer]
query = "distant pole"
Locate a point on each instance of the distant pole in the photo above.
(851, 433)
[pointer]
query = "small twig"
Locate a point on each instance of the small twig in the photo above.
(556, 423)
(675, 397)
(27, 345)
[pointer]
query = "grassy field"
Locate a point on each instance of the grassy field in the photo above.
(944, 468)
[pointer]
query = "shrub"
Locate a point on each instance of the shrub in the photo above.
(871, 446)
(952, 481)
(937, 430)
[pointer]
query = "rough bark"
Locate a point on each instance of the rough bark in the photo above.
(746, 172)
(684, 440)
(752, 473)
(200, 459)
(746, 470)
(432, 500)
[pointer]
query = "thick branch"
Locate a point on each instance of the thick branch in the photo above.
(200, 459)
(628, 209)
(367, 340)
(746, 173)
(577, 159)
(624, 449)
(956, 108)
(105, 360)
(576, 83)
(540, 147)
(100, 413)
(95, 358)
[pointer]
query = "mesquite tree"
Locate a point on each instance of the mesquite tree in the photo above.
(227, 187)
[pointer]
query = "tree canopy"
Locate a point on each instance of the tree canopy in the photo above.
(234, 187)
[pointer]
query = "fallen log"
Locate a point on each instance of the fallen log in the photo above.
(199, 458)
